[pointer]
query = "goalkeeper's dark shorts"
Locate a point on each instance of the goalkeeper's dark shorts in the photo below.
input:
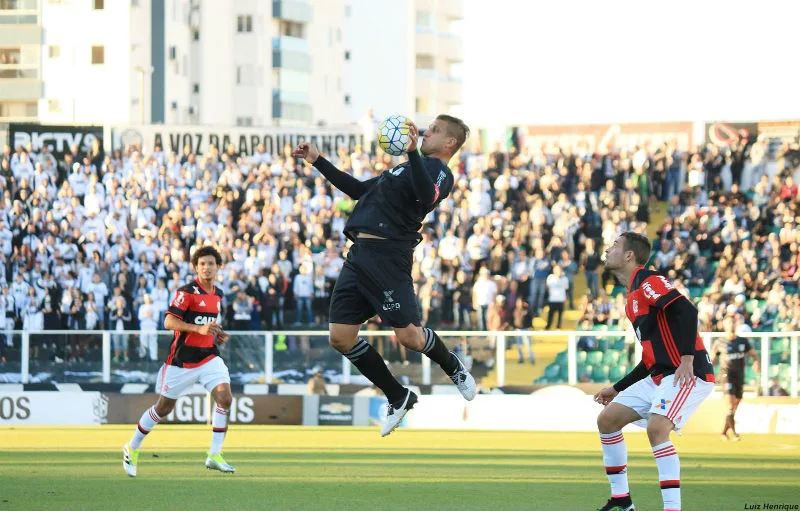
(376, 279)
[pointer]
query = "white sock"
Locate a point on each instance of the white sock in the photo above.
(146, 424)
(669, 475)
(220, 425)
(615, 458)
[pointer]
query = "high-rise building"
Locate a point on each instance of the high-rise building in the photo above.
(237, 62)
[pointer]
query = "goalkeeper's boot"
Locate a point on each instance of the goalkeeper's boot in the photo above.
(395, 415)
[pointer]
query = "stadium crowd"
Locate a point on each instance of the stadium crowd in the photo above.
(96, 240)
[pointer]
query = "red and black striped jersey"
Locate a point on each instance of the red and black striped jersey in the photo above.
(650, 295)
(193, 304)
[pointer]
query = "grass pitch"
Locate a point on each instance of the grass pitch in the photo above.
(296, 468)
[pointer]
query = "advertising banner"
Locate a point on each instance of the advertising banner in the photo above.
(335, 411)
(245, 139)
(53, 408)
(726, 133)
(59, 138)
(589, 138)
(195, 409)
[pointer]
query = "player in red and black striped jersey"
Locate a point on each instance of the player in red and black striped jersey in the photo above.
(193, 358)
(193, 304)
(666, 387)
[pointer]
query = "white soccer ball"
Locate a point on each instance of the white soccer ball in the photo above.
(393, 135)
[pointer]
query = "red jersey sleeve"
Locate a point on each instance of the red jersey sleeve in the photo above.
(180, 304)
(659, 292)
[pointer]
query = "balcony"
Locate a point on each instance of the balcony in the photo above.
(291, 106)
(434, 86)
(16, 89)
(440, 44)
(451, 47)
(298, 11)
(291, 53)
(453, 9)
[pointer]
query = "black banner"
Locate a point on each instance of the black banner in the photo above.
(59, 138)
(335, 410)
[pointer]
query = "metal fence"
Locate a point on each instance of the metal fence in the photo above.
(133, 356)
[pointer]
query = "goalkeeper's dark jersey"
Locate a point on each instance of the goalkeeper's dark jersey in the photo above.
(390, 209)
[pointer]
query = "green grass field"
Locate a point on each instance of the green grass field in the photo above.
(287, 468)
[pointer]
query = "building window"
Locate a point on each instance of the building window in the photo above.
(422, 105)
(347, 55)
(347, 99)
(195, 35)
(99, 5)
(54, 51)
(348, 11)
(173, 52)
(196, 88)
(424, 61)
(424, 19)
(244, 121)
(98, 54)
(292, 29)
(244, 23)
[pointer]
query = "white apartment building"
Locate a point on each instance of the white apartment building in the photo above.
(234, 62)
(404, 57)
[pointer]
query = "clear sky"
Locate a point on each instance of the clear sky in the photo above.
(575, 61)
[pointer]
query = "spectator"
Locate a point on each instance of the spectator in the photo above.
(303, 289)
(119, 316)
(557, 285)
(316, 384)
(540, 269)
(483, 294)
(522, 321)
(590, 262)
(775, 389)
(148, 323)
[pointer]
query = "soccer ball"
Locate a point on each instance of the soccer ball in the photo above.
(393, 135)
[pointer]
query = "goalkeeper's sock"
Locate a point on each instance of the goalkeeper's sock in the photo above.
(371, 364)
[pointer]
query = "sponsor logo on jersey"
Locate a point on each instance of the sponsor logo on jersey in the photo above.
(180, 299)
(203, 320)
(667, 285)
(650, 292)
(664, 404)
(635, 306)
(196, 290)
(202, 303)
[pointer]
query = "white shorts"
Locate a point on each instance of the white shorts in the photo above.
(675, 403)
(172, 380)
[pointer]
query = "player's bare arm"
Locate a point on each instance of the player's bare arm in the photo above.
(176, 325)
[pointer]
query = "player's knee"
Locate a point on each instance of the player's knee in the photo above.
(224, 401)
(411, 337)
(164, 408)
(607, 423)
(658, 429)
(342, 341)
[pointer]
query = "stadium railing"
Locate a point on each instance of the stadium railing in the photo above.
(262, 354)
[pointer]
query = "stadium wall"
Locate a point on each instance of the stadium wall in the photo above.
(555, 408)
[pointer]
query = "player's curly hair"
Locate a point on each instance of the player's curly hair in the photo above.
(206, 250)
